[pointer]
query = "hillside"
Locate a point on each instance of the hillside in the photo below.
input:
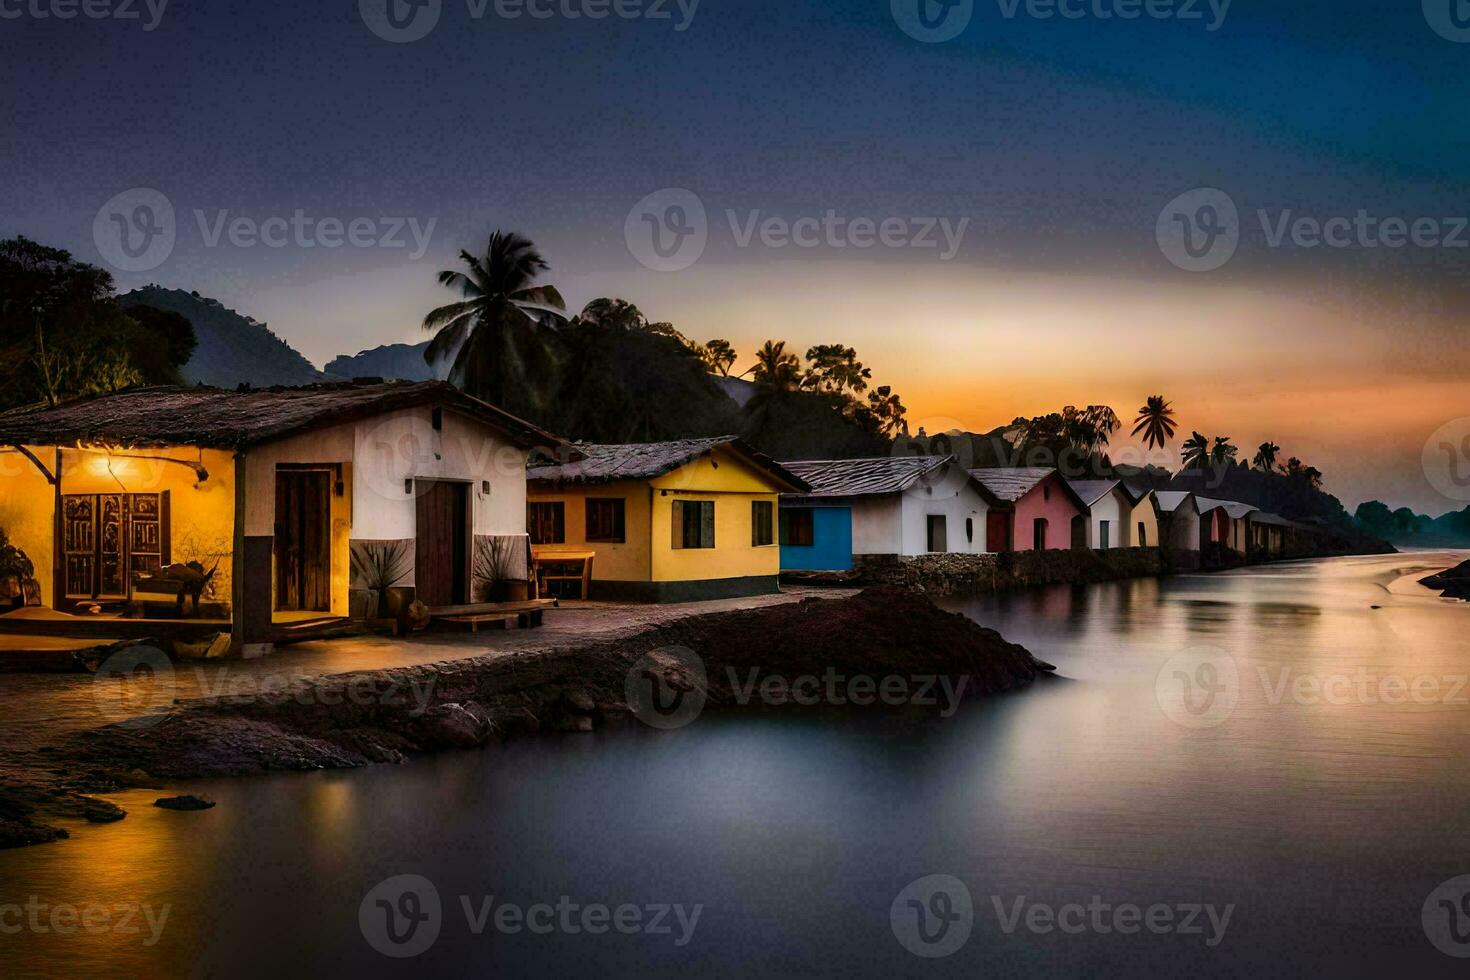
(233, 349)
(404, 362)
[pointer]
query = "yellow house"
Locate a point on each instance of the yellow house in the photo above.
(664, 521)
(281, 495)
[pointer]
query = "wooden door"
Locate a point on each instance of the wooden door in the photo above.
(442, 549)
(303, 540)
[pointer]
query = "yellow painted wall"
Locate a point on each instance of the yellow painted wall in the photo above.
(201, 517)
(732, 484)
(1143, 513)
(649, 554)
(626, 562)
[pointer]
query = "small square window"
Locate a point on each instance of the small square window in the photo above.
(605, 520)
(762, 523)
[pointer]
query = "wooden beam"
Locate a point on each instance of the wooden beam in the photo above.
(50, 477)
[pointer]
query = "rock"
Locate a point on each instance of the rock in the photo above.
(101, 811)
(183, 803)
(1453, 583)
(581, 702)
(459, 725)
(582, 724)
(210, 648)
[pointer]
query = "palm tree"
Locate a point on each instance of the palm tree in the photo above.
(775, 369)
(1156, 421)
(494, 333)
(1265, 460)
(1196, 452)
(720, 356)
(1224, 451)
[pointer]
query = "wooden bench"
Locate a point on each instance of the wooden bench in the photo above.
(526, 615)
(544, 577)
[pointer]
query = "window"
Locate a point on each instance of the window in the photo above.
(694, 524)
(1102, 534)
(796, 527)
(605, 520)
(547, 522)
(937, 540)
(762, 523)
(1142, 535)
(1038, 534)
(970, 530)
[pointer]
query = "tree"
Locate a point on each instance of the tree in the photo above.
(775, 369)
(719, 355)
(887, 412)
(1156, 422)
(496, 332)
(1295, 469)
(1223, 453)
(835, 369)
(1265, 460)
(1196, 452)
(64, 334)
(1375, 517)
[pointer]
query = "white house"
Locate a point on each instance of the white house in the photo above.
(1110, 506)
(899, 505)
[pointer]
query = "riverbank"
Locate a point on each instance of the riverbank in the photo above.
(748, 659)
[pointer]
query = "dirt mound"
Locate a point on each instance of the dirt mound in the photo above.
(928, 658)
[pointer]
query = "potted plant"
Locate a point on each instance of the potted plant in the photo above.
(16, 572)
(378, 566)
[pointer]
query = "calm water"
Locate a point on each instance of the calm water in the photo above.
(1323, 820)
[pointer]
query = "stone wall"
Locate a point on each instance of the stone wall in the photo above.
(961, 574)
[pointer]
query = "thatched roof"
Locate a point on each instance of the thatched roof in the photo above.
(606, 463)
(216, 418)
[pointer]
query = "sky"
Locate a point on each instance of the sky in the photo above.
(986, 198)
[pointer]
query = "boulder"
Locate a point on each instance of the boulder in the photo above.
(458, 725)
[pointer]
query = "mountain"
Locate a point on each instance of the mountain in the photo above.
(404, 362)
(233, 349)
(1403, 526)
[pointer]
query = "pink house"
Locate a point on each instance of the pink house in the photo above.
(1045, 512)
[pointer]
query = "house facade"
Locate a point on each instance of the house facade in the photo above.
(662, 522)
(1109, 513)
(1143, 517)
(885, 506)
(281, 496)
(1043, 512)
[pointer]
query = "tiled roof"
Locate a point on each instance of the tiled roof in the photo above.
(1091, 491)
(864, 477)
(605, 463)
(1011, 483)
(219, 418)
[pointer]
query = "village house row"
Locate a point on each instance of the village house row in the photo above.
(291, 506)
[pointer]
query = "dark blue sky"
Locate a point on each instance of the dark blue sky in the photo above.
(1059, 140)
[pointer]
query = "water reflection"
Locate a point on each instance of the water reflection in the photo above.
(1324, 821)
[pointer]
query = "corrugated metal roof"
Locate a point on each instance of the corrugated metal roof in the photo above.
(1234, 508)
(605, 463)
(1169, 500)
(1011, 483)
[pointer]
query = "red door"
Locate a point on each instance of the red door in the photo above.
(997, 531)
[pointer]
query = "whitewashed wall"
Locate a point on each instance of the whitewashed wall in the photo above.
(1111, 508)
(957, 501)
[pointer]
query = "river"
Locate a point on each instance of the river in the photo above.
(1264, 771)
